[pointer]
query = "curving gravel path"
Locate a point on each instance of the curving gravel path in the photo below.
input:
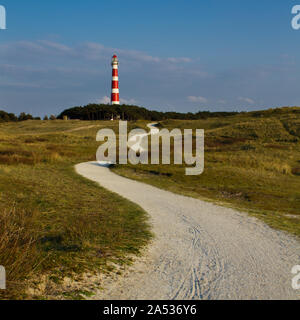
(200, 250)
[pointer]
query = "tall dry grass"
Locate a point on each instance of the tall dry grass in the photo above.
(29, 157)
(18, 250)
(53, 222)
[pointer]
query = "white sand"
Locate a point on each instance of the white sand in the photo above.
(200, 250)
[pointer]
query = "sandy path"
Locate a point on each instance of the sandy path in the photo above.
(200, 250)
(82, 128)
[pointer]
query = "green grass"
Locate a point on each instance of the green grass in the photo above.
(58, 224)
(54, 222)
(251, 164)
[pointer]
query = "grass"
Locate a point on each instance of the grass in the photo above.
(251, 163)
(54, 222)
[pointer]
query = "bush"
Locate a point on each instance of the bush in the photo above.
(23, 117)
(5, 117)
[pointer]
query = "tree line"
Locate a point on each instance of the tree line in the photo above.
(11, 117)
(130, 112)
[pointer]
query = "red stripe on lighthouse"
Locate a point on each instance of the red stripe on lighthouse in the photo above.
(115, 97)
(115, 84)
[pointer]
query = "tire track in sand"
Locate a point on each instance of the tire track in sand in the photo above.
(200, 250)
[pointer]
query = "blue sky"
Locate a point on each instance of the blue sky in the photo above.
(174, 54)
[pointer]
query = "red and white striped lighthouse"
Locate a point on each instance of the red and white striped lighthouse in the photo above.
(115, 93)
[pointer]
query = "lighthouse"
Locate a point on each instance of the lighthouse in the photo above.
(115, 94)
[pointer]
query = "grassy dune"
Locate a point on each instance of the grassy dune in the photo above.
(252, 162)
(54, 222)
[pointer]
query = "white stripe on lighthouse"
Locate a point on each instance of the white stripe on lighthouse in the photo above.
(115, 91)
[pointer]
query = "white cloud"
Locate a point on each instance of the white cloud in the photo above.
(88, 50)
(56, 46)
(128, 101)
(179, 60)
(247, 100)
(95, 51)
(104, 100)
(197, 99)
